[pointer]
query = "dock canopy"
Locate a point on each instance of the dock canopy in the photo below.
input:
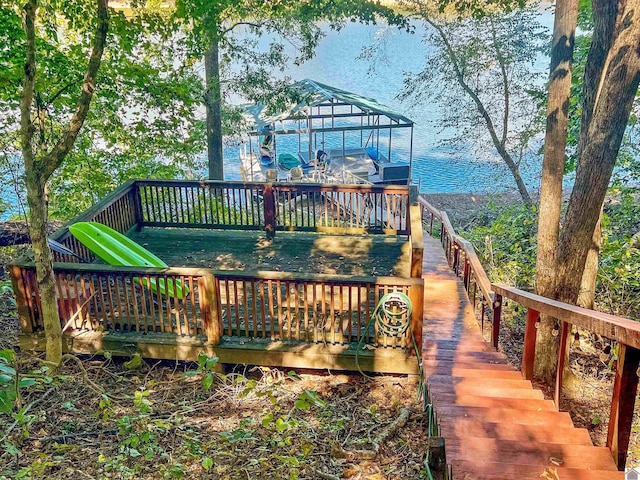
(315, 94)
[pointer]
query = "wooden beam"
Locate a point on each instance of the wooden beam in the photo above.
(495, 321)
(563, 352)
(275, 354)
(625, 387)
(529, 351)
(620, 329)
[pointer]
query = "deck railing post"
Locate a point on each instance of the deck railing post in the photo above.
(137, 206)
(210, 308)
(529, 352)
(269, 210)
(495, 321)
(563, 351)
(466, 275)
(417, 241)
(625, 387)
(416, 295)
(20, 293)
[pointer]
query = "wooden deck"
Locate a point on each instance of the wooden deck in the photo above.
(495, 424)
(250, 251)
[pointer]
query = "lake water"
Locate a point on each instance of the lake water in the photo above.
(436, 168)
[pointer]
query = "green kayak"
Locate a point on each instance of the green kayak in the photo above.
(115, 249)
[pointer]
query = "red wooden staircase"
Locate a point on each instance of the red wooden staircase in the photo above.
(495, 424)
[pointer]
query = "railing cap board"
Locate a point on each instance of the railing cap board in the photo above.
(620, 329)
(283, 186)
(227, 274)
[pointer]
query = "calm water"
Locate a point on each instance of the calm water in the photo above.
(434, 166)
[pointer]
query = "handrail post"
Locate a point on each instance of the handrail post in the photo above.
(210, 308)
(625, 387)
(529, 352)
(269, 211)
(495, 321)
(563, 351)
(466, 275)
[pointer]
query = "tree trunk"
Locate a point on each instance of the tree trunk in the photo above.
(566, 18)
(586, 298)
(213, 104)
(38, 168)
(44, 266)
(617, 88)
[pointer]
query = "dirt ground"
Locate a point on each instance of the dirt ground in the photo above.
(99, 418)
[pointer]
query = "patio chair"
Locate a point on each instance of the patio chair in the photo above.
(295, 175)
(271, 175)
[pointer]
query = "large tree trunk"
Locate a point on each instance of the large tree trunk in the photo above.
(587, 295)
(39, 168)
(617, 88)
(566, 18)
(213, 104)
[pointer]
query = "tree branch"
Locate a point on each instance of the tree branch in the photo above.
(237, 24)
(505, 83)
(26, 99)
(53, 160)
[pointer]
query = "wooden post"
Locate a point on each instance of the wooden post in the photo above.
(529, 352)
(436, 458)
(209, 306)
(431, 225)
(625, 387)
(417, 241)
(416, 295)
(495, 321)
(22, 304)
(563, 351)
(137, 205)
(466, 276)
(269, 211)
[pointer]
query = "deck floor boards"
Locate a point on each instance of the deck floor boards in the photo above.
(495, 424)
(249, 251)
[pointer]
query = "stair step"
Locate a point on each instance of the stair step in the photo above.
(432, 345)
(467, 357)
(533, 453)
(480, 382)
(450, 364)
(492, 402)
(488, 391)
(481, 470)
(504, 415)
(461, 428)
(457, 371)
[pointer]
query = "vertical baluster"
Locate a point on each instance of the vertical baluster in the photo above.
(529, 351)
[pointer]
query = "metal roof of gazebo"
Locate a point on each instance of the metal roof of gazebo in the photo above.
(316, 94)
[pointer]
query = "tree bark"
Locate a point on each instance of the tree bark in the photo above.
(40, 165)
(213, 105)
(617, 87)
(565, 22)
(586, 298)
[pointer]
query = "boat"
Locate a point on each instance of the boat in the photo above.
(334, 135)
(114, 248)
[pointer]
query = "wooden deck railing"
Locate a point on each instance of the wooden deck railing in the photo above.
(624, 331)
(464, 261)
(279, 206)
(277, 306)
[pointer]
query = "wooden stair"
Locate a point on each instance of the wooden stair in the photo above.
(495, 424)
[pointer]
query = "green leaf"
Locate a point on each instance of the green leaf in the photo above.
(207, 381)
(7, 369)
(267, 419)
(134, 363)
(8, 355)
(26, 382)
(302, 405)
(207, 463)
(6, 404)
